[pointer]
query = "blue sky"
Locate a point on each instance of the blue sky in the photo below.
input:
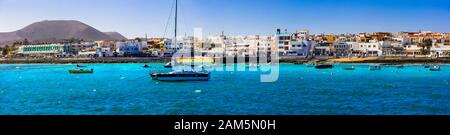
(135, 18)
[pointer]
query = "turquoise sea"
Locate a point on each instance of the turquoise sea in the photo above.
(122, 89)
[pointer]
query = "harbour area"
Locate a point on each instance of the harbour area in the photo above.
(127, 89)
(295, 60)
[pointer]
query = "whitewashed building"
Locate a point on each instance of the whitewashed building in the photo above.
(129, 47)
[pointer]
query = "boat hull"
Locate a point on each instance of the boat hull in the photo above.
(435, 69)
(180, 78)
(349, 68)
(324, 66)
(374, 68)
(81, 71)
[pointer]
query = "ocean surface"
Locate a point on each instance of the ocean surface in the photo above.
(127, 89)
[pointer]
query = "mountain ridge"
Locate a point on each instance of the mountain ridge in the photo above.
(58, 30)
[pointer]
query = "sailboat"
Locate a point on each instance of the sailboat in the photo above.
(182, 75)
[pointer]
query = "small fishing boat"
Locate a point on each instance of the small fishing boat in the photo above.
(350, 68)
(168, 65)
(375, 67)
(81, 71)
(324, 66)
(146, 66)
(435, 68)
(80, 66)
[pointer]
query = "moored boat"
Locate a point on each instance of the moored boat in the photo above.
(80, 66)
(324, 66)
(350, 68)
(181, 76)
(81, 71)
(168, 65)
(435, 68)
(375, 67)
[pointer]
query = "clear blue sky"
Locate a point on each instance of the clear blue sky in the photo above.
(134, 18)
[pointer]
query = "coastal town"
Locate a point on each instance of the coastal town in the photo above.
(224, 66)
(298, 44)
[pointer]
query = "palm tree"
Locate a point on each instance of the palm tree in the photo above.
(426, 45)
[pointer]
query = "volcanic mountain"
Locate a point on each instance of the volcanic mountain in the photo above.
(59, 30)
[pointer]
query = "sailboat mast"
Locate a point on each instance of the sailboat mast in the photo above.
(176, 24)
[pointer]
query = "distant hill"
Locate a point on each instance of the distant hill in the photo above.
(58, 30)
(115, 35)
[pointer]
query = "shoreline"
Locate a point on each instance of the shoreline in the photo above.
(371, 60)
(387, 61)
(85, 60)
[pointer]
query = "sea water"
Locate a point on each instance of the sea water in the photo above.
(122, 89)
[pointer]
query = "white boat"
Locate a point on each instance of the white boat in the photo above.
(168, 65)
(435, 68)
(375, 67)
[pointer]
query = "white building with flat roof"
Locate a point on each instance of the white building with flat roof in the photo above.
(129, 47)
(372, 48)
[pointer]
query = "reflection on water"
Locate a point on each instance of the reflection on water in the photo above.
(128, 89)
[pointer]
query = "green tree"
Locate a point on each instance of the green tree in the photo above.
(5, 50)
(25, 42)
(138, 39)
(426, 46)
